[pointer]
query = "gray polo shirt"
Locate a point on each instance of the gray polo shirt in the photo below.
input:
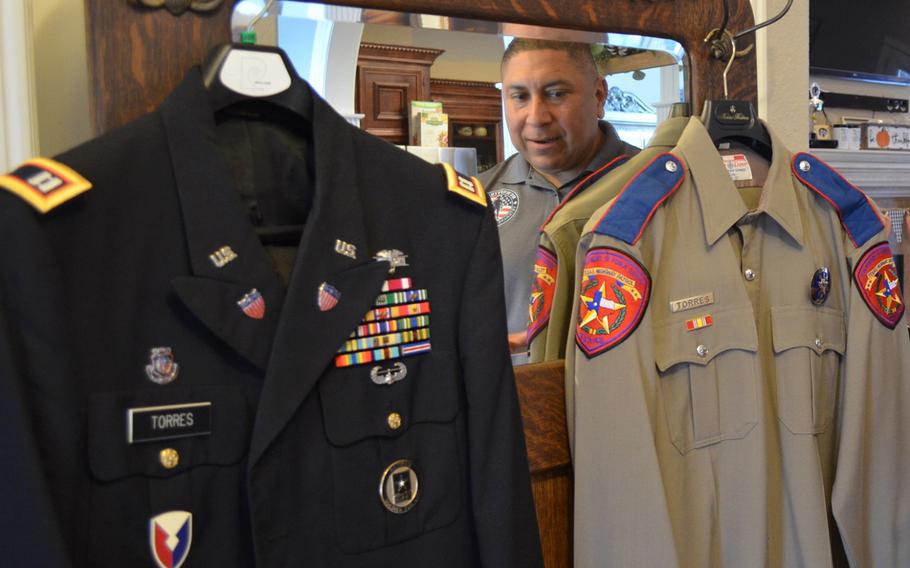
(522, 200)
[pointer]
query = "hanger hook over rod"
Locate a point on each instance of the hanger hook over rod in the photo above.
(766, 23)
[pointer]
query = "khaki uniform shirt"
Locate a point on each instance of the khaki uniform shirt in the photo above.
(553, 282)
(731, 444)
(522, 200)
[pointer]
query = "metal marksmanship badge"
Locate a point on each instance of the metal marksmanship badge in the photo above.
(399, 488)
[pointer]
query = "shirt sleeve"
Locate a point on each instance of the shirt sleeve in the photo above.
(502, 504)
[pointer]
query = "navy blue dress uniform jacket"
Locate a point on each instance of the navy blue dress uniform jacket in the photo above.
(283, 466)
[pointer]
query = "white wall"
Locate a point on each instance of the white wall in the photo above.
(783, 70)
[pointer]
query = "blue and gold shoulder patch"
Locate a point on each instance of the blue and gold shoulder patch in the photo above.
(626, 218)
(44, 183)
(468, 187)
(857, 214)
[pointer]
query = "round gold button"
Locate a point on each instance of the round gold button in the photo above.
(169, 458)
(394, 421)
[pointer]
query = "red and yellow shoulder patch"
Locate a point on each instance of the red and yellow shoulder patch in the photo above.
(468, 187)
(876, 279)
(542, 289)
(44, 183)
(615, 290)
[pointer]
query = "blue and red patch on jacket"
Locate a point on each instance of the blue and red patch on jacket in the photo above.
(876, 279)
(541, 300)
(614, 294)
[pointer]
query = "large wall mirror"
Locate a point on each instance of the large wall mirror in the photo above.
(370, 64)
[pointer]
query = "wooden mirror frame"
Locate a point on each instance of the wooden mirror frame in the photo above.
(138, 55)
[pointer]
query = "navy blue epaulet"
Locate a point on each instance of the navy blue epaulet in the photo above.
(587, 182)
(626, 218)
(857, 214)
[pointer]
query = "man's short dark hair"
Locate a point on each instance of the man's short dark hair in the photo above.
(579, 52)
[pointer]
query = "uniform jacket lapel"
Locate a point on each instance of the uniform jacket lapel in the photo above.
(308, 337)
(214, 218)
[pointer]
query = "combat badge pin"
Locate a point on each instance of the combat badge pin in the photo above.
(821, 285)
(162, 369)
(170, 536)
(394, 257)
(253, 304)
(328, 297)
(398, 488)
(389, 375)
(346, 249)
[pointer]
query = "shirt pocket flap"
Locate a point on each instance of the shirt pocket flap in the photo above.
(819, 329)
(219, 436)
(355, 407)
(674, 343)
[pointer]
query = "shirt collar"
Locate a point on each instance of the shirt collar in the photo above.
(718, 196)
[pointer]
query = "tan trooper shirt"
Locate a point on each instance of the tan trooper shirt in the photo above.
(718, 417)
(550, 303)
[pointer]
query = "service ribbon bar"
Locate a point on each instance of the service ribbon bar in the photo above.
(385, 340)
(397, 311)
(388, 326)
(402, 297)
(363, 357)
(396, 284)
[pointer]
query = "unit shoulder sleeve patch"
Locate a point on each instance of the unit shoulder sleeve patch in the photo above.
(44, 183)
(876, 279)
(466, 186)
(626, 218)
(542, 289)
(858, 216)
(614, 294)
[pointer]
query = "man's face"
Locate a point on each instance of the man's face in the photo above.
(552, 104)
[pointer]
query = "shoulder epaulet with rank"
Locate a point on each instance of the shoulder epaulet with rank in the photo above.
(628, 215)
(587, 182)
(857, 214)
(468, 187)
(44, 183)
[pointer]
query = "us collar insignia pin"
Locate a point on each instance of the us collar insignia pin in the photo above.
(346, 249)
(170, 537)
(162, 369)
(389, 375)
(222, 256)
(253, 304)
(328, 297)
(394, 257)
(821, 285)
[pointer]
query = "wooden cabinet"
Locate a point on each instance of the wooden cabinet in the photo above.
(475, 117)
(389, 77)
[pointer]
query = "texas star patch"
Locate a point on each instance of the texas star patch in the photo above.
(542, 289)
(44, 183)
(615, 290)
(876, 279)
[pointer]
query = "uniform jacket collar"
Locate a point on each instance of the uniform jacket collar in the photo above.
(295, 341)
(719, 198)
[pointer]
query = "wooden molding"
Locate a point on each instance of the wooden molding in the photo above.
(178, 7)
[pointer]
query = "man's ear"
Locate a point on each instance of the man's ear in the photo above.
(600, 91)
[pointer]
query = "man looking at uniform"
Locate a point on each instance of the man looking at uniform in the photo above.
(554, 100)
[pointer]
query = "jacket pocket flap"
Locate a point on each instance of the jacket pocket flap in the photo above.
(819, 329)
(730, 329)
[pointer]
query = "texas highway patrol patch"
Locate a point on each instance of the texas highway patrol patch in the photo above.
(876, 279)
(44, 184)
(615, 290)
(505, 205)
(542, 290)
(468, 187)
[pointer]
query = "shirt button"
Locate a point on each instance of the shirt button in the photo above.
(394, 421)
(671, 166)
(169, 458)
(819, 342)
(804, 166)
(702, 350)
(749, 274)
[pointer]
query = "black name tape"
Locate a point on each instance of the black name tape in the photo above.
(154, 423)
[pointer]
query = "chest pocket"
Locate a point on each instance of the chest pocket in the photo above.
(370, 426)
(808, 345)
(708, 378)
